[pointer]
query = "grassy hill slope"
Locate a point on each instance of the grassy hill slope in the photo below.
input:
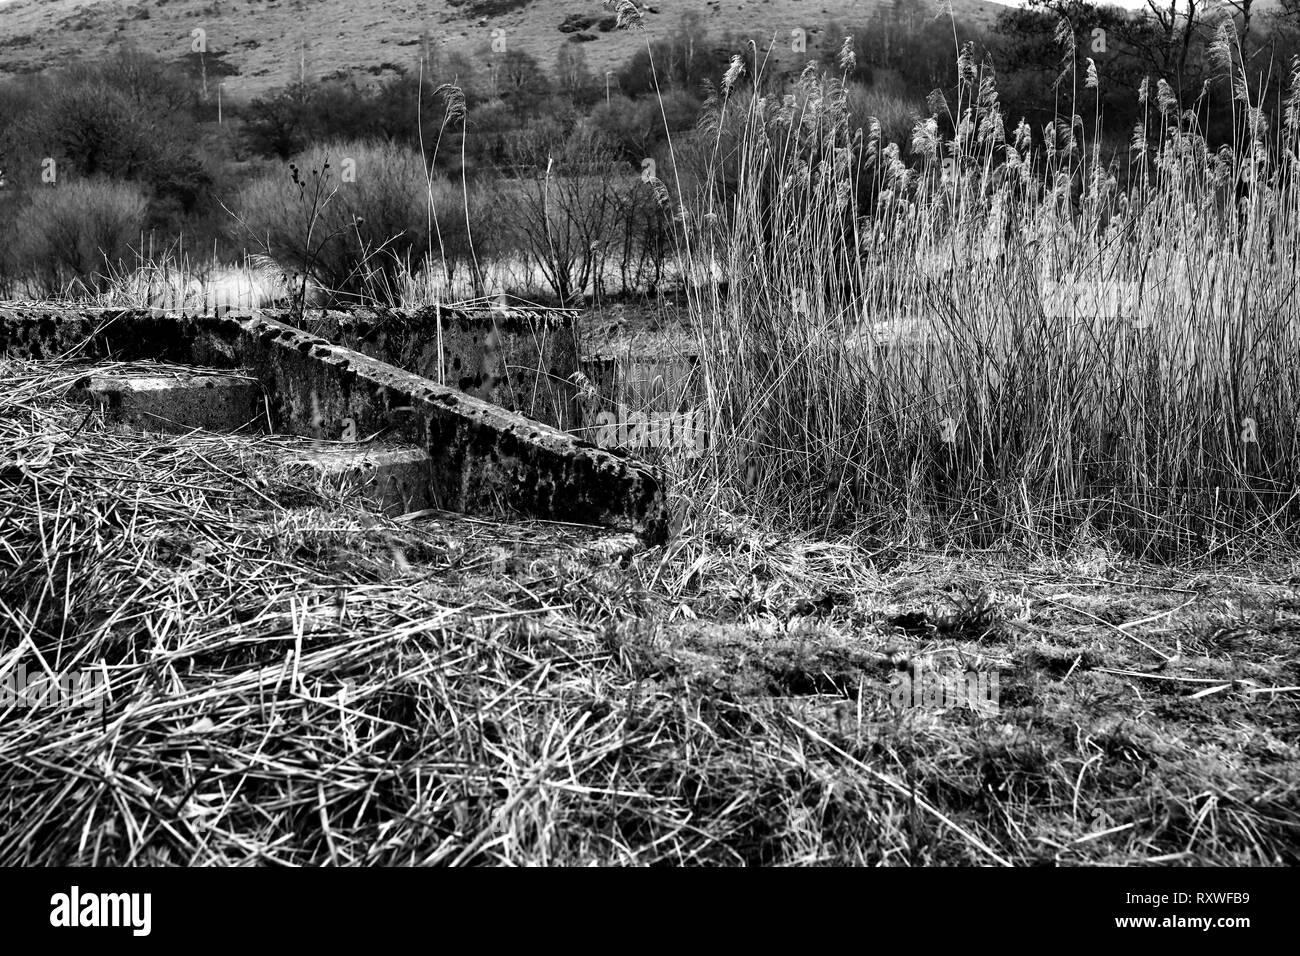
(269, 42)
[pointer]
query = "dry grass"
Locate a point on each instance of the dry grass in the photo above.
(292, 680)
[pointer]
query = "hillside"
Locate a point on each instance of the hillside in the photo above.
(265, 43)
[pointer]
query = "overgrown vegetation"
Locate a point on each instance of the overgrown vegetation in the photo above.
(78, 237)
(134, 118)
(354, 216)
(1008, 343)
(281, 678)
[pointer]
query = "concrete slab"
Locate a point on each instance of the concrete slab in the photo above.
(647, 405)
(484, 458)
(394, 480)
(177, 401)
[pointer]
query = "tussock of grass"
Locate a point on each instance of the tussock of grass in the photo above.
(292, 680)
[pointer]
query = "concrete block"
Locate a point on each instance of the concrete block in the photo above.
(177, 401)
(395, 480)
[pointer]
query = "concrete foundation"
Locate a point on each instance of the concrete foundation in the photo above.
(394, 480)
(483, 458)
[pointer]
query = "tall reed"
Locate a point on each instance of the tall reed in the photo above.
(999, 337)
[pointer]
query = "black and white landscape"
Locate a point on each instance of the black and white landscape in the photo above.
(508, 432)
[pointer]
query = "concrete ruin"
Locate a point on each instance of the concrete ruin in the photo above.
(521, 359)
(213, 402)
(482, 458)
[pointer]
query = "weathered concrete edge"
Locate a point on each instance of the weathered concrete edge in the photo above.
(485, 459)
(528, 368)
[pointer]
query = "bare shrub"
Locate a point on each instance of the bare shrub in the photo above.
(353, 216)
(72, 238)
(566, 205)
(888, 104)
(641, 239)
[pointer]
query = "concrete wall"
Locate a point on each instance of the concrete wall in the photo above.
(522, 360)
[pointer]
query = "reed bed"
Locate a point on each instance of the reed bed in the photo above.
(1015, 332)
(288, 679)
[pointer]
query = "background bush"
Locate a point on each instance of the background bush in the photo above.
(356, 238)
(74, 237)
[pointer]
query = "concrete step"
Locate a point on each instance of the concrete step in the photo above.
(176, 400)
(393, 479)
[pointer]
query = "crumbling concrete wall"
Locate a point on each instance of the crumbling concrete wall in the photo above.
(485, 458)
(522, 360)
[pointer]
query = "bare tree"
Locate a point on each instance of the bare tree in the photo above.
(1244, 10)
(1178, 30)
(567, 205)
(572, 74)
(1161, 37)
